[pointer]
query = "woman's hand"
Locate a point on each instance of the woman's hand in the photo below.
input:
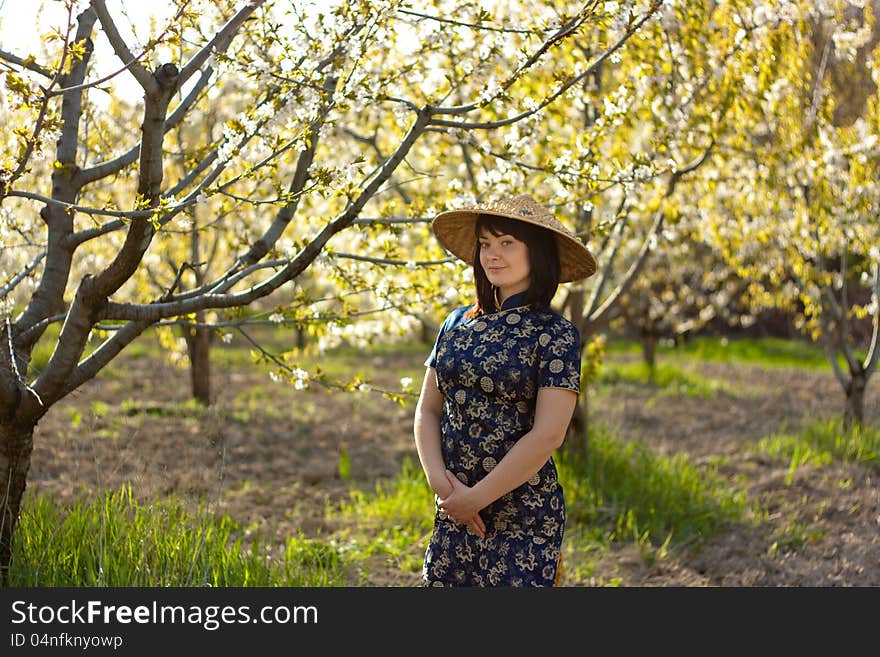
(460, 506)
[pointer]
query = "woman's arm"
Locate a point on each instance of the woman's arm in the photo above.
(553, 411)
(426, 430)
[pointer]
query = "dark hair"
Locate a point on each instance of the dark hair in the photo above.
(543, 262)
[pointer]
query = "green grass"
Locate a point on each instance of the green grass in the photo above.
(625, 491)
(623, 494)
(118, 541)
(767, 352)
(793, 537)
(405, 500)
(144, 346)
(822, 442)
(666, 377)
(390, 522)
(189, 408)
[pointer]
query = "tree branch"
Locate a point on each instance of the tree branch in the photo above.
(268, 239)
(110, 167)
(595, 317)
(102, 356)
(49, 295)
(216, 296)
(564, 31)
(140, 73)
(488, 125)
(221, 40)
(27, 63)
(20, 276)
(616, 238)
(387, 261)
(474, 26)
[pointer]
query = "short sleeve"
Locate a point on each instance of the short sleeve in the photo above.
(560, 363)
(455, 318)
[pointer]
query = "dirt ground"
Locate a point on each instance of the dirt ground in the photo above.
(277, 470)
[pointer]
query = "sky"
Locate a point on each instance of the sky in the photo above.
(23, 23)
(18, 18)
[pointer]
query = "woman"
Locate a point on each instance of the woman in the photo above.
(499, 391)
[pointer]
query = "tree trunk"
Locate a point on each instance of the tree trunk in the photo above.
(577, 437)
(649, 351)
(854, 413)
(428, 332)
(16, 445)
(198, 344)
(301, 336)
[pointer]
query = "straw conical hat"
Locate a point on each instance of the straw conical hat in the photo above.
(454, 229)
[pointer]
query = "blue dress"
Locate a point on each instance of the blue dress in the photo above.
(489, 370)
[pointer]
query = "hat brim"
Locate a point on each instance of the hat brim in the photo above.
(454, 229)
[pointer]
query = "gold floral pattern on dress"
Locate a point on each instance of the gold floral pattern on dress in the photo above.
(489, 371)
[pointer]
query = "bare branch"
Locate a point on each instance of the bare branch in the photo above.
(85, 209)
(103, 355)
(221, 41)
(387, 261)
(112, 166)
(563, 32)
(475, 26)
(49, 295)
(217, 296)
(374, 221)
(140, 73)
(20, 276)
(27, 63)
(595, 317)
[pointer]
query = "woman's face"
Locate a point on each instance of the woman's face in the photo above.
(505, 260)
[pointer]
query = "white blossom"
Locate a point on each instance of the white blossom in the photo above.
(300, 378)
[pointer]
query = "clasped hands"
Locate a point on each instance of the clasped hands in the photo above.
(461, 507)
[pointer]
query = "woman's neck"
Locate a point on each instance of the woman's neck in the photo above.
(502, 295)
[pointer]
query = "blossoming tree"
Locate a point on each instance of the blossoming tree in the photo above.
(324, 114)
(797, 210)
